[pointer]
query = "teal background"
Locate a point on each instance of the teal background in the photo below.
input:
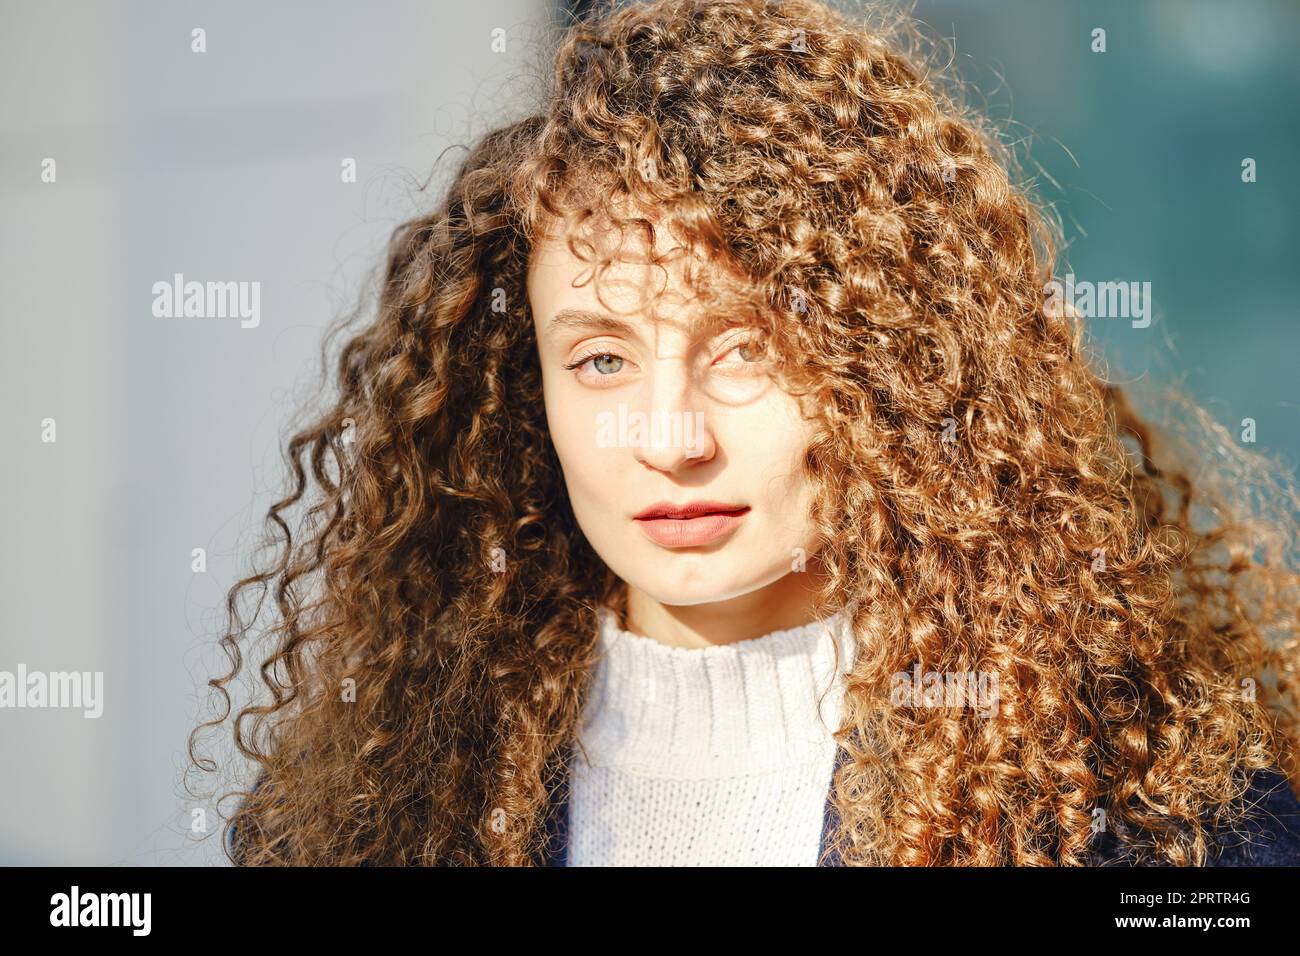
(1145, 142)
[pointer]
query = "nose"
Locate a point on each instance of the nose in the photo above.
(677, 432)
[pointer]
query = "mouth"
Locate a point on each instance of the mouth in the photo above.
(690, 525)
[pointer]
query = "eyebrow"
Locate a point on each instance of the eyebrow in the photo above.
(586, 320)
(593, 321)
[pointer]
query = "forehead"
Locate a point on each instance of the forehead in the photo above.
(619, 271)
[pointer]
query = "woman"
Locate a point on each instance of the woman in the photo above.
(716, 484)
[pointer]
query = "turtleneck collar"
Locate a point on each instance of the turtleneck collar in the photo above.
(744, 707)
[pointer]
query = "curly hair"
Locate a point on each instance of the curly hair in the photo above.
(971, 469)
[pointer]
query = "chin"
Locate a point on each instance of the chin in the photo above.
(670, 598)
(701, 584)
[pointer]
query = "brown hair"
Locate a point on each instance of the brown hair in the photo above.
(818, 156)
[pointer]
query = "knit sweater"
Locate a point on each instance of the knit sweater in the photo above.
(715, 756)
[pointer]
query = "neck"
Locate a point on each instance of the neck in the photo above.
(790, 601)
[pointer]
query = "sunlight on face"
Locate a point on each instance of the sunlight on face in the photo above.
(644, 410)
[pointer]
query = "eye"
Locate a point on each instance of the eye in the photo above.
(597, 360)
(751, 351)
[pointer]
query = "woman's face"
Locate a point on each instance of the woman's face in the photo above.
(653, 414)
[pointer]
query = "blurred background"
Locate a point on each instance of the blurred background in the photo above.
(226, 165)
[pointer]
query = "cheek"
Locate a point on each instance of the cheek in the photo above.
(778, 442)
(780, 478)
(572, 428)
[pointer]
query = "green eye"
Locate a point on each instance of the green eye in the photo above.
(596, 360)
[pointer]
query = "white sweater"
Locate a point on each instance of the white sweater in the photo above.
(711, 756)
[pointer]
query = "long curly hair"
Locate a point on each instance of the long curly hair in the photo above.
(987, 501)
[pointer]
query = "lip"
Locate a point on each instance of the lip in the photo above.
(691, 524)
